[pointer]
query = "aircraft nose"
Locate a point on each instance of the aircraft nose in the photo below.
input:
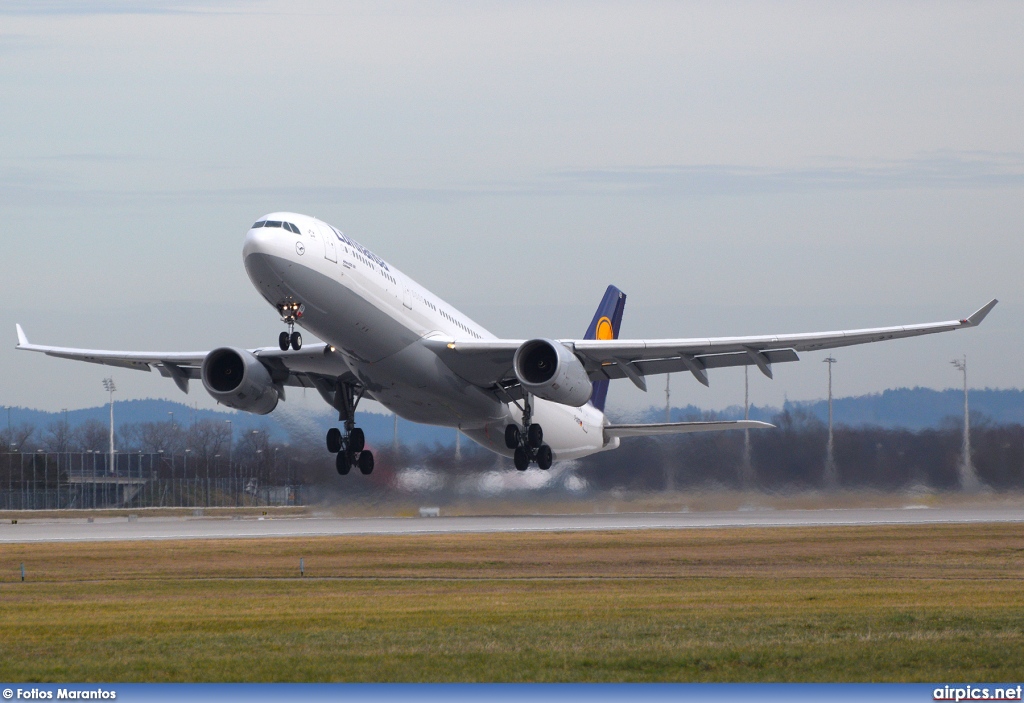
(262, 240)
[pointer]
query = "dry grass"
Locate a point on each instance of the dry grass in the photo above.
(896, 603)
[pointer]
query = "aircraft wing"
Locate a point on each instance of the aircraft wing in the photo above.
(661, 428)
(488, 363)
(309, 367)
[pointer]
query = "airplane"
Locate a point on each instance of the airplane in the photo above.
(388, 338)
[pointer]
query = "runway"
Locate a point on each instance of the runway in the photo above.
(158, 528)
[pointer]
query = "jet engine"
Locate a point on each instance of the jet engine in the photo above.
(237, 379)
(548, 370)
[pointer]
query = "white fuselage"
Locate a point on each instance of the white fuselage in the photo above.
(376, 318)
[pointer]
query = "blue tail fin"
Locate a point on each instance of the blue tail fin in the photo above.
(605, 325)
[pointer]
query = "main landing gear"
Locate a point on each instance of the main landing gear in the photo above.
(290, 312)
(529, 445)
(349, 448)
(349, 451)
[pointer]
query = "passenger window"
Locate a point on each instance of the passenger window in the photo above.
(258, 224)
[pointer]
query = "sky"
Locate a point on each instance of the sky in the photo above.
(735, 168)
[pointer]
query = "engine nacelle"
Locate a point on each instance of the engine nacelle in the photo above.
(237, 379)
(550, 371)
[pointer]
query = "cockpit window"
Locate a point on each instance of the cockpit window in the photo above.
(290, 226)
(258, 224)
(272, 223)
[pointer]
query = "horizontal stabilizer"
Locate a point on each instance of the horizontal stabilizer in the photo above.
(682, 428)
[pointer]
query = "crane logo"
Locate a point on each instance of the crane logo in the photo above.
(604, 329)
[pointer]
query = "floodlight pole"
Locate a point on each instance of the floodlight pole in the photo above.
(108, 385)
(231, 444)
(831, 479)
(748, 469)
(968, 478)
(668, 406)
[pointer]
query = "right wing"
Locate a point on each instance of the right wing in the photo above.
(314, 366)
(488, 363)
(661, 428)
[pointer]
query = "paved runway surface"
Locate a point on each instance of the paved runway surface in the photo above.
(107, 529)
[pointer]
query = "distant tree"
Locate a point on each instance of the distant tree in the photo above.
(92, 435)
(127, 439)
(207, 438)
(57, 436)
(253, 453)
(164, 437)
(18, 437)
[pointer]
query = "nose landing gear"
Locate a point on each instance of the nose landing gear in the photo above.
(290, 312)
(528, 446)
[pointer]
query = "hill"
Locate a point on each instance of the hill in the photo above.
(282, 425)
(907, 408)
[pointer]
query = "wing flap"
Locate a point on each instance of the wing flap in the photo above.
(662, 428)
(678, 364)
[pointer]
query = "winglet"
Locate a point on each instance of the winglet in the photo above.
(975, 319)
(22, 339)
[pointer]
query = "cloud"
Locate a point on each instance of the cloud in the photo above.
(947, 170)
(119, 7)
(14, 42)
(940, 170)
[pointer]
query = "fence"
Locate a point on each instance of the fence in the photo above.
(73, 480)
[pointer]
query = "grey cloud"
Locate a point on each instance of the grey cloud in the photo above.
(949, 170)
(946, 170)
(14, 42)
(85, 157)
(119, 7)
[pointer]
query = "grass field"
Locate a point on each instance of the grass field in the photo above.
(887, 603)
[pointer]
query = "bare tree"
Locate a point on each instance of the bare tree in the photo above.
(161, 437)
(253, 451)
(57, 436)
(92, 435)
(207, 437)
(17, 439)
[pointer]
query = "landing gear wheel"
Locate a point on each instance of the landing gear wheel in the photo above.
(521, 459)
(356, 440)
(544, 457)
(365, 462)
(283, 340)
(334, 440)
(534, 436)
(512, 436)
(343, 462)
(296, 340)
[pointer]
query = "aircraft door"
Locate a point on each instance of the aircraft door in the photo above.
(330, 243)
(406, 297)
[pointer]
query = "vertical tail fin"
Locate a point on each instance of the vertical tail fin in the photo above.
(605, 325)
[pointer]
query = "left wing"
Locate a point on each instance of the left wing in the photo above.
(313, 366)
(488, 363)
